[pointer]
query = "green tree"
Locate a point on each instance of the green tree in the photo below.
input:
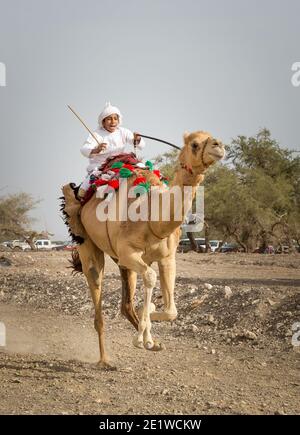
(261, 192)
(167, 162)
(254, 198)
(14, 217)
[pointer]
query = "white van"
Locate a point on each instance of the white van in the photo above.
(215, 245)
(43, 244)
(18, 245)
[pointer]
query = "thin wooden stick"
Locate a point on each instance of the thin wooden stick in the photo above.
(83, 123)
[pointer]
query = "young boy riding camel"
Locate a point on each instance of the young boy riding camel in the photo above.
(112, 140)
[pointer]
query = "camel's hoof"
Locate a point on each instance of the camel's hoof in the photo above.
(104, 365)
(161, 316)
(137, 343)
(156, 346)
(149, 345)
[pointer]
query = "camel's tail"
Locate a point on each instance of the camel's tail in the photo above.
(76, 264)
(70, 207)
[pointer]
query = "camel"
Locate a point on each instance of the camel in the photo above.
(135, 245)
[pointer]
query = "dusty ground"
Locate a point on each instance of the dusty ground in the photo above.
(223, 355)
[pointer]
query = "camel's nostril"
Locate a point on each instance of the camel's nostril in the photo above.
(218, 144)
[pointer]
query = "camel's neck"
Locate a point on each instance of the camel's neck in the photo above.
(184, 186)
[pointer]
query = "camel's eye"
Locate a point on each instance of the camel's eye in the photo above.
(195, 146)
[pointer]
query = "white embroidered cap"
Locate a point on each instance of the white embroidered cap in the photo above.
(107, 111)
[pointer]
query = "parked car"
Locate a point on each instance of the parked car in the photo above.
(215, 245)
(18, 245)
(43, 244)
(282, 249)
(58, 246)
(230, 247)
(184, 245)
(201, 244)
(69, 246)
(5, 244)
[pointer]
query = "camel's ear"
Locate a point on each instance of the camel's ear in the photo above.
(185, 136)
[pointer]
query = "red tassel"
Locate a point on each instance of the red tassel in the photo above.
(139, 180)
(114, 184)
(100, 182)
(128, 167)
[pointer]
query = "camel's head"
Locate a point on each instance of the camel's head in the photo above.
(201, 150)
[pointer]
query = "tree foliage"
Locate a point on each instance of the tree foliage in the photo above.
(15, 221)
(254, 197)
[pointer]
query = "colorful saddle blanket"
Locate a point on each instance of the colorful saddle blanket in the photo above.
(123, 165)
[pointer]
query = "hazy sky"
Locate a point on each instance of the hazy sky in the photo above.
(170, 66)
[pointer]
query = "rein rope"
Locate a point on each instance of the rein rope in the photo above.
(160, 140)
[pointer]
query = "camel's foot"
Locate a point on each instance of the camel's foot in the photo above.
(162, 316)
(137, 342)
(154, 345)
(105, 365)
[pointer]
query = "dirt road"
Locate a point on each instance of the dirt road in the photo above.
(226, 356)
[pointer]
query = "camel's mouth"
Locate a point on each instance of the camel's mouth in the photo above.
(217, 155)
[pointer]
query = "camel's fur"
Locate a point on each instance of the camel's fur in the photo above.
(135, 246)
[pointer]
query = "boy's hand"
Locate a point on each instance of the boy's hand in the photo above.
(99, 148)
(136, 138)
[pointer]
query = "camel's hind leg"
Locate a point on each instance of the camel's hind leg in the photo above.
(92, 259)
(128, 290)
(133, 260)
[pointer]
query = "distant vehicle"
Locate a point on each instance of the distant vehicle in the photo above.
(201, 244)
(296, 246)
(18, 245)
(269, 250)
(58, 246)
(230, 247)
(184, 245)
(43, 244)
(283, 249)
(215, 245)
(6, 244)
(70, 246)
(64, 246)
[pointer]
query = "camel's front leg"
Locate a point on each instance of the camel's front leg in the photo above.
(133, 260)
(167, 274)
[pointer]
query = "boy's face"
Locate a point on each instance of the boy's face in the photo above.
(110, 123)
